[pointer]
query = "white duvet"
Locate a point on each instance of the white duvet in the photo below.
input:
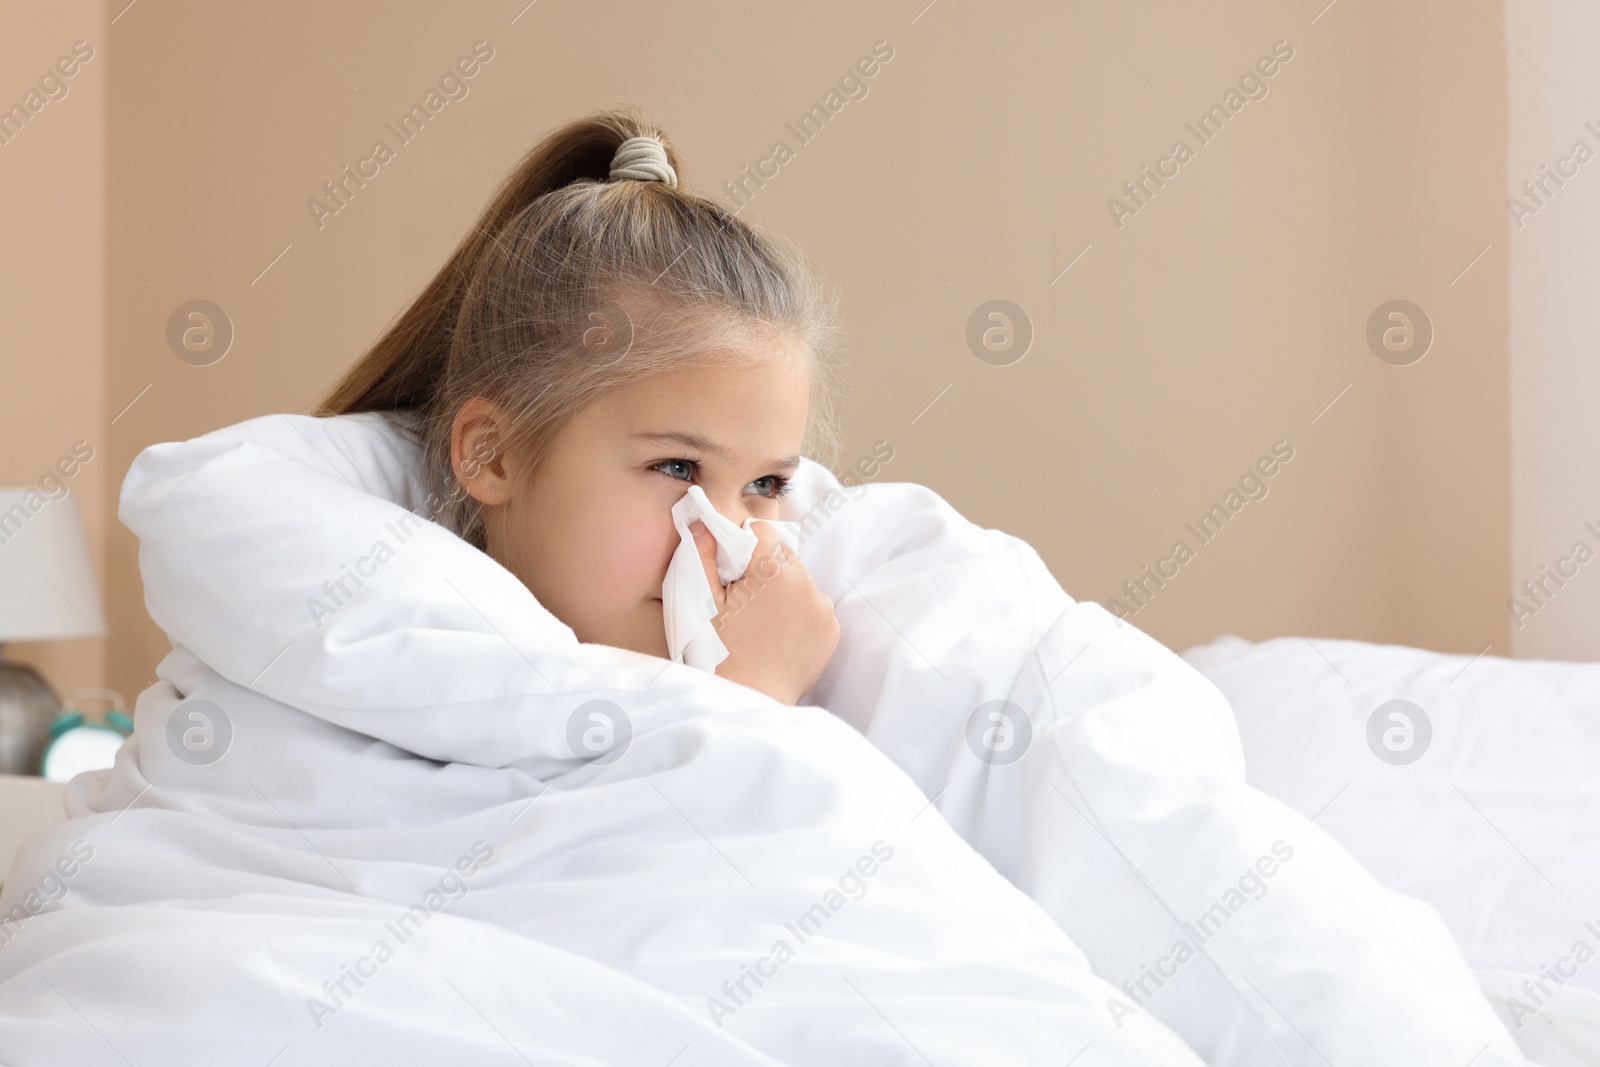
(382, 807)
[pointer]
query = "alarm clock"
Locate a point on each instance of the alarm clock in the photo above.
(80, 742)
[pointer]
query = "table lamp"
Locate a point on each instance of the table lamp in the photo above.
(47, 592)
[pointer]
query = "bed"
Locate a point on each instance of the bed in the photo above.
(1468, 782)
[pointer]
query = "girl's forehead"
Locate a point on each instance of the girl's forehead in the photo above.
(734, 408)
(730, 392)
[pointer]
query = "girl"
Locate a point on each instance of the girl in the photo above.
(602, 340)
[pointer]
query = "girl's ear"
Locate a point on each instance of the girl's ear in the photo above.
(476, 453)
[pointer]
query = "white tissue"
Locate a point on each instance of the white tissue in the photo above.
(686, 599)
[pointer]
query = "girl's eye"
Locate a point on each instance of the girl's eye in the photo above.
(666, 465)
(777, 485)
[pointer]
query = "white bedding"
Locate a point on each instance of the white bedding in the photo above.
(411, 741)
(1496, 823)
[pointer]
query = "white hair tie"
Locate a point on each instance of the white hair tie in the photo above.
(643, 159)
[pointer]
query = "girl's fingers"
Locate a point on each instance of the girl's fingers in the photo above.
(768, 543)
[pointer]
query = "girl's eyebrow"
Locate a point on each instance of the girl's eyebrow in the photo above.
(694, 440)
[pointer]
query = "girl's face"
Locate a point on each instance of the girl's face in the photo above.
(591, 533)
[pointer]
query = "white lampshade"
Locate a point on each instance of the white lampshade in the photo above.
(47, 589)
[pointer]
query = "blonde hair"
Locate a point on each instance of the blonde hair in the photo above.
(572, 284)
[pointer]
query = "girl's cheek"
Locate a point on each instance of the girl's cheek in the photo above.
(641, 543)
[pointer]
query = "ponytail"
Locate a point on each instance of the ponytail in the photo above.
(404, 369)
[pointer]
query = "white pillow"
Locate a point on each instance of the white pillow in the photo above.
(1492, 815)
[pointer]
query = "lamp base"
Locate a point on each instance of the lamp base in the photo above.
(27, 705)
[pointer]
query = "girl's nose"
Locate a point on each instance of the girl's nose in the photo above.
(730, 506)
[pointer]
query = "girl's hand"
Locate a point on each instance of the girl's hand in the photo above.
(778, 627)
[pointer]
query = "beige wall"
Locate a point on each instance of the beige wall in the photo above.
(1218, 320)
(53, 263)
